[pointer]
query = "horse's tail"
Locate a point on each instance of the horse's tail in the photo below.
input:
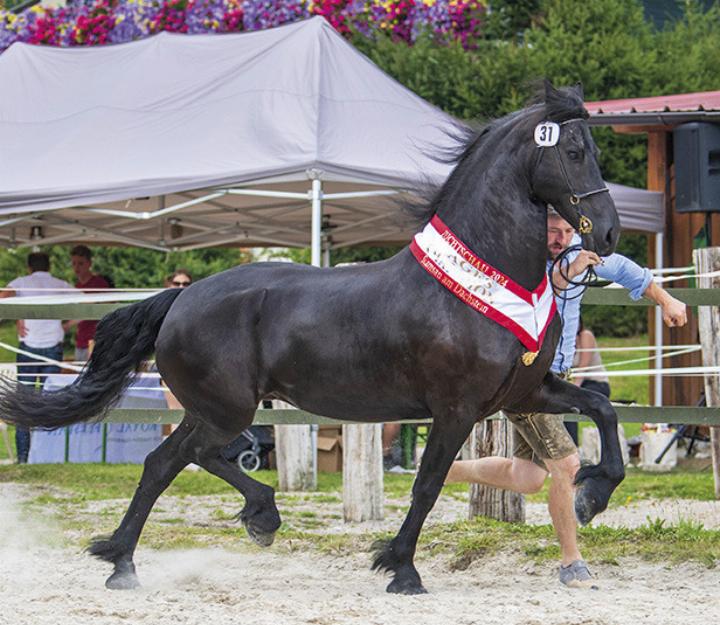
(123, 339)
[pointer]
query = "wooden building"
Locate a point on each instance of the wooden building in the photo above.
(658, 117)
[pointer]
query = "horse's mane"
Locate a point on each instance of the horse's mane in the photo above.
(547, 103)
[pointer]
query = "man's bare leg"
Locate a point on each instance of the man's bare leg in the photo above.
(516, 474)
(561, 505)
(524, 476)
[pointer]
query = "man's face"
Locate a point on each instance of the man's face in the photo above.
(81, 265)
(560, 234)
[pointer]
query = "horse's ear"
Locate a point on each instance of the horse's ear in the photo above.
(579, 90)
(550, 91)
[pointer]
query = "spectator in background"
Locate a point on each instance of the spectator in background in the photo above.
(42, 337)
(392, 455)
(81, 259)
(178, 279)
(590, 357)
(593, 380)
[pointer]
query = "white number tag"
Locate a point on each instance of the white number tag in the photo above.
(547, 134)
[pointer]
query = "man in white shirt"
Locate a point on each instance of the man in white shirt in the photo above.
(43, 337)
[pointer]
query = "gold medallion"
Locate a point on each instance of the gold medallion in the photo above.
(586, 226)
(529, 357)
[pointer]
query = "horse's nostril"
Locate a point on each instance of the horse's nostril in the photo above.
(610, 236)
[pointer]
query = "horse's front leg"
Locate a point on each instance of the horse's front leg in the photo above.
(396, 556)
(595, 483)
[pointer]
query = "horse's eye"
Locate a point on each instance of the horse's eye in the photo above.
(573, 155)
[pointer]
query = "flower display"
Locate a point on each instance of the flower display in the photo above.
(98, 22)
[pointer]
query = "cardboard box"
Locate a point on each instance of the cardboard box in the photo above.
(329, 448)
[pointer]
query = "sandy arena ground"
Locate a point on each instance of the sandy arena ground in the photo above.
(45, 584)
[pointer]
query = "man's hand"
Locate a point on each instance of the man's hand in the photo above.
(582, 261)
(674, 312)
(21, 329)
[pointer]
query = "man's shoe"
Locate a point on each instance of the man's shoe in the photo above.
(577, 575)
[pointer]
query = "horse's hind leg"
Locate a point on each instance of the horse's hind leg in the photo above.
(396, 556)
(161, 466)
(260, 515)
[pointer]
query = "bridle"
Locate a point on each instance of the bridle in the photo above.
(585, 225)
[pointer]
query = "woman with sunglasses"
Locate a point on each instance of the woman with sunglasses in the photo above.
(179, 279)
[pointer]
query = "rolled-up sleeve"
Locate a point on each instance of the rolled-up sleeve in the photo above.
(626, 273)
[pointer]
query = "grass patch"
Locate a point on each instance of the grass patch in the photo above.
(468, 540)
(638, 485)
(89, 482)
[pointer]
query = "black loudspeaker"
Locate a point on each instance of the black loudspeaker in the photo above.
(696, 149)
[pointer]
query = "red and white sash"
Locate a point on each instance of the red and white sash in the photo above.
(527, 314)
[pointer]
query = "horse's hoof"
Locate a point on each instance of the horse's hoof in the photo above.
(406, 587)
(263, 539)
(584, 506)
(591, 498)
(122, 581)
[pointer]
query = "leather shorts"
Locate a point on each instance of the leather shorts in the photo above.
(539, 436)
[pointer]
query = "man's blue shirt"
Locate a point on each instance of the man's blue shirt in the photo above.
(615, 268)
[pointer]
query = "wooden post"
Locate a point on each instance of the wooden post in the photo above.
(657, 164)
(494, 438)
(295, 452)
(708, 260)
(363, 496)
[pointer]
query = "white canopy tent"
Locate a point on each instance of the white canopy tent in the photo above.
(280, 137)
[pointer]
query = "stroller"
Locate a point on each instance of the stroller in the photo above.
(251, 449)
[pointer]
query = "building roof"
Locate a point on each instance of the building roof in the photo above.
(667, 109)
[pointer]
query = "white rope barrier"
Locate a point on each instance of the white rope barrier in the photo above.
(630, 361)
(584, 373)
(49, 361)
(639, 348)
(684, 371)
(664, 270)
(710, 274)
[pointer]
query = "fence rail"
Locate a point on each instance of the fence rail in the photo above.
(13, 308)
(695, 415)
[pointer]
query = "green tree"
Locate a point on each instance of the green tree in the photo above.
(508, 19)
(688, 54)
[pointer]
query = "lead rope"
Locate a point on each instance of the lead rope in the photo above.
(562, 263)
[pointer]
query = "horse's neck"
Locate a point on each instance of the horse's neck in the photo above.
(503, 226)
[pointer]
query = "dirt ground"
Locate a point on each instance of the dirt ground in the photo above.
(45, 583)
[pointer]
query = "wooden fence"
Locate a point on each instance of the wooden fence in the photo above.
(16, 309)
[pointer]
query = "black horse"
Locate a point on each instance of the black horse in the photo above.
(378, 342)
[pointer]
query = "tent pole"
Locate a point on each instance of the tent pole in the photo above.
(659, 243)
(316, 259)
(316, 241)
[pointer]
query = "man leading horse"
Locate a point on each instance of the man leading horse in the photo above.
(542, 444)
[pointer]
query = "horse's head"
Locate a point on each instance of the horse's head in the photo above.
(566, 172)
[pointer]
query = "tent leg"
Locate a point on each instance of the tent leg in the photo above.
(316, 240)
